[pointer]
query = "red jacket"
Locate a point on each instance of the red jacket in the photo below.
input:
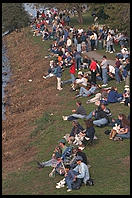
(93, 65)
(72, 68)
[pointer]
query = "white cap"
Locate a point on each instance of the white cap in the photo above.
(80, 73)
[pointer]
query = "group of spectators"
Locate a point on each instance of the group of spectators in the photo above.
(69, 49)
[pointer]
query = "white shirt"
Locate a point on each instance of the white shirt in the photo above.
(69, 42)
(82, 81)
(95, 36)
(111, 69)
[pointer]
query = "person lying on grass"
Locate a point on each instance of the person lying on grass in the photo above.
(80, 112)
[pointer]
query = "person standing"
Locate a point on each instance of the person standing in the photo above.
(104, 65)
(59, 75)
(78, 60)
(79, 41)
(72, 73)
(117, 70)
(92, 40)
(108, 42)
(93, 67)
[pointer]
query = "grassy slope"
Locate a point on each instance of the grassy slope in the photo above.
(110, 168)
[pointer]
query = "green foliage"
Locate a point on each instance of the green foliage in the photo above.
(42, 123)
(13, 16)
(116, 15)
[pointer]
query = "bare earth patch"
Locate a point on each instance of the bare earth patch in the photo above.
(28, 100)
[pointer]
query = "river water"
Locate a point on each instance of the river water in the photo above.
(6, 71)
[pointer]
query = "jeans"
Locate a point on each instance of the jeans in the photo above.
(125, 136)
(76, 116)
(78, 47)
(100, 122)
(90, 115)
(69, 182)
(96, 43)
(70, 80)
(75, 41)
(78, 62)
(108, 47)
(117, 74)
(86, 47)
(52, 162)
(104, 75)
(85, 92)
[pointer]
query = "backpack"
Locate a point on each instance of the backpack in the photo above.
(107, 132)
(90, 182)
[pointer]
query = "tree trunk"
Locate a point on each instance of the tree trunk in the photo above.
(80, 17)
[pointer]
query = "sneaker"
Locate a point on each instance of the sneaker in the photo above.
(60, 186)
(40, 165)
(95, 138)
(64, 117)
(104, 85)
(87, 138)
(60, 89)
(77, 96)
(111, 52)
(69, 190)
(44, 77)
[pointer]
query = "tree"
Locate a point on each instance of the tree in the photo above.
(65, 6)
(14, 16)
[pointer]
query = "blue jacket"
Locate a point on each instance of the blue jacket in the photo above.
(113, 96)
(66, 153)
(58, 72)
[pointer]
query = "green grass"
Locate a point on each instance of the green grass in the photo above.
(111, 176)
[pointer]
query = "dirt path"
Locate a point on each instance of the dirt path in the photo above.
(98, 57)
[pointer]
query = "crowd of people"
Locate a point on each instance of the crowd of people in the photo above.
(69, 50)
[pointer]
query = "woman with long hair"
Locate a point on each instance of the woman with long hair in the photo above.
(124, 132)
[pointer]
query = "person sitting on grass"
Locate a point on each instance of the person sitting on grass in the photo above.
(54, 161)
(124, 131)
(83, 175)
(85, 93)
(80, 81)
(80, 112)
(75, 130)
(51, 70)
(102, 115)
(114, 96)
(69, 177)
(90, 131)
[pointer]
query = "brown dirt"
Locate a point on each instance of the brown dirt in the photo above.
(126, 161)
(28, 100)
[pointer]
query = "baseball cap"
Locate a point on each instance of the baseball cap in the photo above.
(62, 141)
(79, 158)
